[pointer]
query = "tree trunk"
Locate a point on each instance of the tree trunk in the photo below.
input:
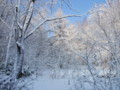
(19, 37)
(19, 60)
(8, 49)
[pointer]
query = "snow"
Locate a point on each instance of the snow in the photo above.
(43, 83)
(58, 80)
(69, 80)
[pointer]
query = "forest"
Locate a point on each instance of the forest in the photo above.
(42, 49)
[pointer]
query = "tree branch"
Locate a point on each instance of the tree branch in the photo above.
(70, 7)
(28, 15)
(5, 23)
(51, 19)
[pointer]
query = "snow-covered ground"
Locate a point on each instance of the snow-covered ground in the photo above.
(71, 80)
(43, 83)
(51, 80)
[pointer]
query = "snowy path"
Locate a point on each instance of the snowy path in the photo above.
(50, 84)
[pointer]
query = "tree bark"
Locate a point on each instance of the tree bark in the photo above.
(19, 60)
(19, 37)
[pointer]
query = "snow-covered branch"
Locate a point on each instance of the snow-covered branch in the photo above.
(51, 19)
(5, 23)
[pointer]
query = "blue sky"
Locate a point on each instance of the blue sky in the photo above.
(82, 6)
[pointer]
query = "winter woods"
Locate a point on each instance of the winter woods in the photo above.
(35, 36)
